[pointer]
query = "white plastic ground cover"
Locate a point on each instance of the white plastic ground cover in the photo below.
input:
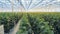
(1, 29)
(15, 28)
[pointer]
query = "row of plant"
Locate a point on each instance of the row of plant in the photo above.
(24, 25)
(45, 23)
(40, 23)
(9, 20)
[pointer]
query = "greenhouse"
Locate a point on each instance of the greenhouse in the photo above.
(29, 16)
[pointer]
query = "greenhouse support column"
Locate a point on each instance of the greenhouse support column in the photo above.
(12, 6)
(2, 7)
(21, 8)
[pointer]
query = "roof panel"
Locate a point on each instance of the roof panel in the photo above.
(28, 3)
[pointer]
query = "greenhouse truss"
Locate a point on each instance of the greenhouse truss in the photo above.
(17, 5)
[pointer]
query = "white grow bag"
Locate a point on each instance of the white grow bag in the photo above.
(1, 29)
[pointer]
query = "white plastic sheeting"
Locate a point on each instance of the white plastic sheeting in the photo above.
(1, 29)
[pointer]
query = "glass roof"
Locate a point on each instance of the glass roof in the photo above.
(27, 4)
